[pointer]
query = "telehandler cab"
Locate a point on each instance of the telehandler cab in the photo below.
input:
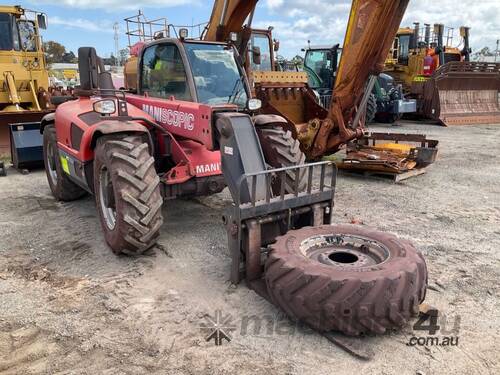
(191, 129)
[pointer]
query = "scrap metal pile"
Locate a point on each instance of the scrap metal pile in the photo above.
(377, 153)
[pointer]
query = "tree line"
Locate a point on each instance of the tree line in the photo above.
(57, 53)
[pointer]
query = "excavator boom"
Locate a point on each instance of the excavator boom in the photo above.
(372, 26)
(228, 16)
(370, 33)
(369, 36)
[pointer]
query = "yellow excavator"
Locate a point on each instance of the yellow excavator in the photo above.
(448, 86)
(370, 33)
(24, 83)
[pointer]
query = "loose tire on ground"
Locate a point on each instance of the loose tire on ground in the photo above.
(60, 184)
(346, 278)
(282, 150)
(127, 191)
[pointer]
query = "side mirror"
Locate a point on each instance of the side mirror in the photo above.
(256, 56)
(276, 45)
(42, 21)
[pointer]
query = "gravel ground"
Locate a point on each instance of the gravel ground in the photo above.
(69, 306)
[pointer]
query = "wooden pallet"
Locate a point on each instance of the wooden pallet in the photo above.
(387, 176)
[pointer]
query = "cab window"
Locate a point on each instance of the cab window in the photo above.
(163, 73)
(27, 35)
(404, 49)
(261, 41)
(5, 32)
(319, 66)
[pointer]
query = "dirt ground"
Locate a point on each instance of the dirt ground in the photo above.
(69, 306)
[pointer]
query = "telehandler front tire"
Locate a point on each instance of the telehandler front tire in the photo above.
(63, 189)
(282, 150)
(127, 191)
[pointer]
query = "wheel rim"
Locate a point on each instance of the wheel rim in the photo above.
(51, 164)
(345, 251)
(106, 198)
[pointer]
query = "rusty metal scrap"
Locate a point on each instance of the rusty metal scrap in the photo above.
(374, 152)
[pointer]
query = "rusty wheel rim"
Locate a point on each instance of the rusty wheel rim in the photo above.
(345, 251)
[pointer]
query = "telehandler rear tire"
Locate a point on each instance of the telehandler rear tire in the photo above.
(63, 189)
(282, 150)
(346, 278)
(127, 191)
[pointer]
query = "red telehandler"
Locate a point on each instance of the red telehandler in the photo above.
(192, 129)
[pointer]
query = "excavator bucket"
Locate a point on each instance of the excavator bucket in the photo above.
(287, 94)
(462, 93)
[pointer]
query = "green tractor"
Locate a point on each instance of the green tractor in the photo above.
(386, 103)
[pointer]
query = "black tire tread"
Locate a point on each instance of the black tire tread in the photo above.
(282, 150)
(138, 191)
(371, 108)
(65, 190)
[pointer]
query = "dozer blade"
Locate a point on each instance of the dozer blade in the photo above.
(464, 93)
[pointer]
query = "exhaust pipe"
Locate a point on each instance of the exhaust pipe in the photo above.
(416, 35)
(465, 33)
(427, 35)
(439, 32)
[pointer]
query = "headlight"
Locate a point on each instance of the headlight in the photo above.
(254, 104)
(35, 64)
(105, 107)
(183, 33)
(233, 37)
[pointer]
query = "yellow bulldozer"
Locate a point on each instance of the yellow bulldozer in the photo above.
(448, 86)
(24, 84)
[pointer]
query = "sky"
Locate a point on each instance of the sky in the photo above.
(76, 23)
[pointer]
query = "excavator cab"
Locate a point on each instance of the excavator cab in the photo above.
(321, 65)
(261, 50)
